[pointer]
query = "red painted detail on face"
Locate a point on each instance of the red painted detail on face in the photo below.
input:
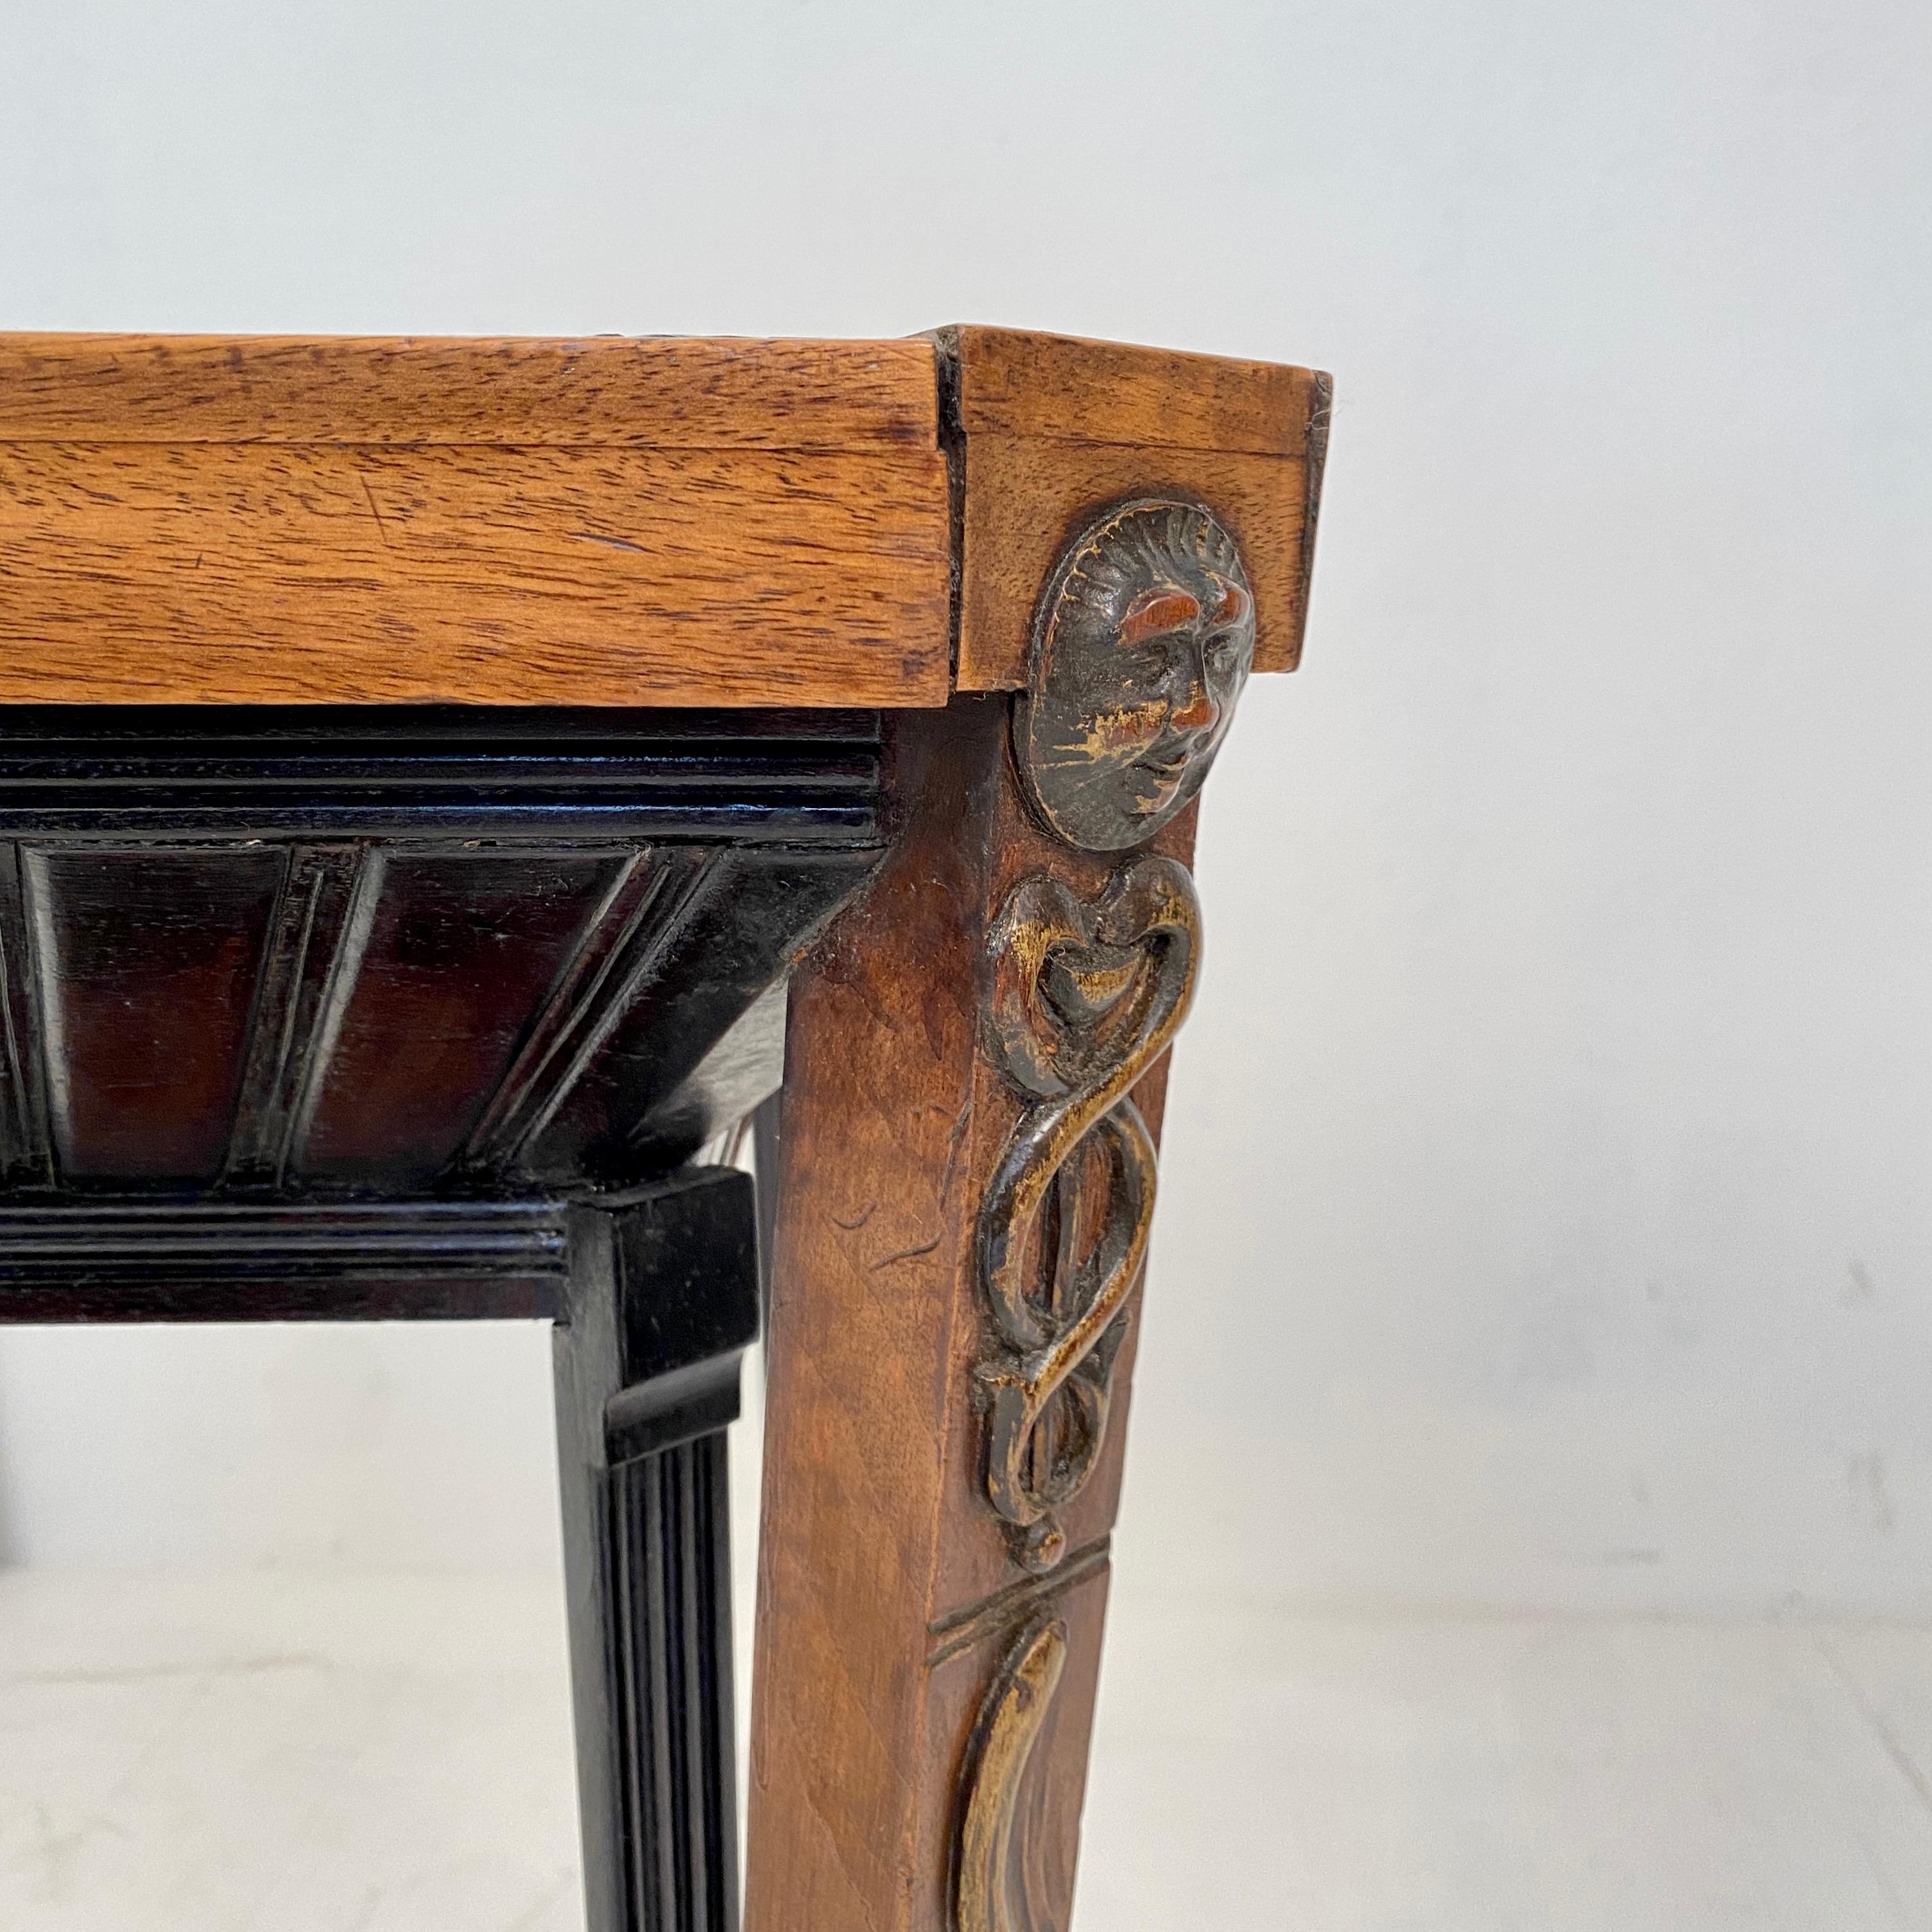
(1154, 612)
(1234, 606)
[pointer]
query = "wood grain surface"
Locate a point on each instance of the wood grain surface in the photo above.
(225, 573)
(888, 1586)
(1025, 500)
(667, 521)
(1015, 382)
(1054, 429)
(663, 392)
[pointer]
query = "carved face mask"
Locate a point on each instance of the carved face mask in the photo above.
(1144, 636)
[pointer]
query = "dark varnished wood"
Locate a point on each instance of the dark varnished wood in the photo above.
(697, 1042)
(663, 1300)
(421, 773)
(145, 966)
(161, 1261)
(26, 1140)
(470, 952)
(458, 950)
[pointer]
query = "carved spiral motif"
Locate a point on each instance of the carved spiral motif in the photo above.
(1085, 996)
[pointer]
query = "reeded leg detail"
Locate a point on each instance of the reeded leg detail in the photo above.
(663, 1300)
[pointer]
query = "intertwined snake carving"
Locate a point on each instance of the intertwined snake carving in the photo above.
(1085, 996)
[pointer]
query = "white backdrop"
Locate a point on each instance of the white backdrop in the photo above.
(1547, 1219)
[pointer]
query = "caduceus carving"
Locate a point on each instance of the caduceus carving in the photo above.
(1085, 996)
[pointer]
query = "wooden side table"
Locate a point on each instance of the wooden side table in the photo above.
(445, 785)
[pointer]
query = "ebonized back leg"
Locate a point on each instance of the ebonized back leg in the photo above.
(662, 1300)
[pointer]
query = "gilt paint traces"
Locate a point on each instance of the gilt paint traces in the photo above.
(1144, 636)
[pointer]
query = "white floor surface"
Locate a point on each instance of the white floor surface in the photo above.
(238, 1753)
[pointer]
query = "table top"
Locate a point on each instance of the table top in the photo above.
(610, 521)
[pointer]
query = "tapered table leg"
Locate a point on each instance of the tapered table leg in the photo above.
(966, 1176)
